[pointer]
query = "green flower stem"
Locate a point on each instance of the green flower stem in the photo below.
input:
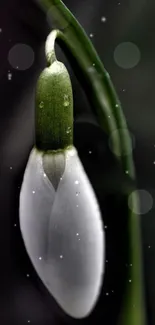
(107, 107)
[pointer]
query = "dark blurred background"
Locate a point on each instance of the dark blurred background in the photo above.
(123, 35)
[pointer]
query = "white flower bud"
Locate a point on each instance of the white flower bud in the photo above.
(61, 225)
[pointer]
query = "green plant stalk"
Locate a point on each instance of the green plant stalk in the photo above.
(107, 107)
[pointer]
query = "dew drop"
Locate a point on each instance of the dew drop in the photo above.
(68, 130)
(66, 101)
(41, 105)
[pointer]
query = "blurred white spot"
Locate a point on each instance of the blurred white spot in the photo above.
(0, 30)
(127, 55)
(91, 35)
(44, 175)
(130, 280)
(61, 256)
(10, 167)
(15, 225)
(27, 275)
(103, 19)
(9, 76)
(40, 258)
(33, 192)
(76, 182)
(77, 234)
(21, 56)
(145, 200)
(107, 293)
(90, 152)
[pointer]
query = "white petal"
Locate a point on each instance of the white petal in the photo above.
(65, 230)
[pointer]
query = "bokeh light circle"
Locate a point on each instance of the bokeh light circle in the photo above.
(21, 56)
(145, 201)
(127, 55)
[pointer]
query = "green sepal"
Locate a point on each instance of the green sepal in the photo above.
(54, 108)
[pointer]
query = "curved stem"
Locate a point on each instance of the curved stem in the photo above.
(107, 107)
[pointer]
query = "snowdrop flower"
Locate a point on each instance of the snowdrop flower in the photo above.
(69, 239)
(60, 219)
